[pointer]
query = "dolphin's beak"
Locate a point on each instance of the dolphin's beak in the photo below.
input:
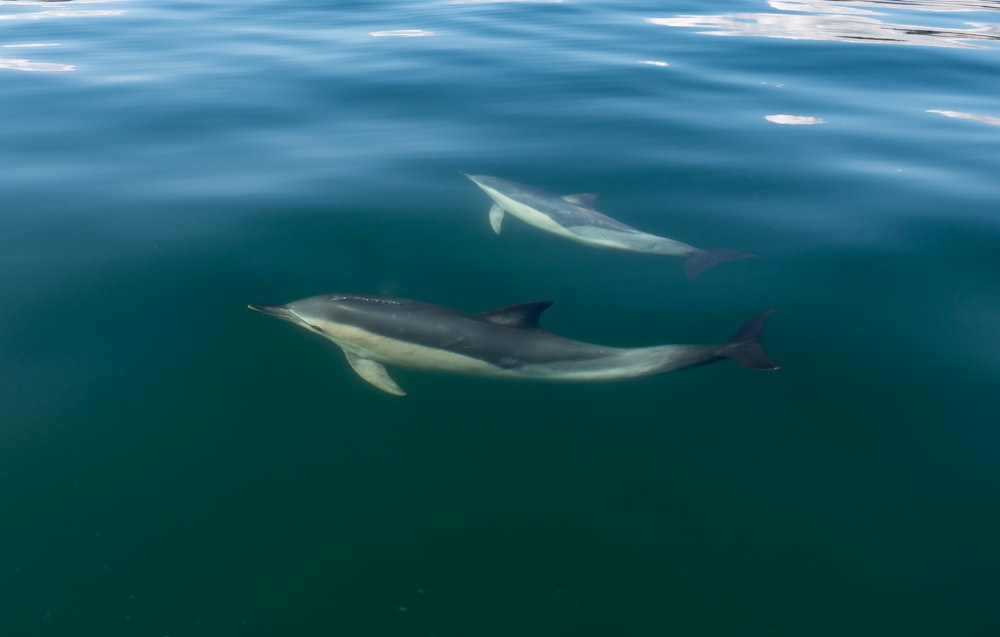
(279, 311)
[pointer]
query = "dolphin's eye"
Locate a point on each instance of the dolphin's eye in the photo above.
(317, 328)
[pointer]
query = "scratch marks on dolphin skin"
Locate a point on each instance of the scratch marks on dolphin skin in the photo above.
(364, 299)
(449, 342)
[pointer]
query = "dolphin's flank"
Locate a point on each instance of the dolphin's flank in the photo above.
(573, 217)
(374, 331)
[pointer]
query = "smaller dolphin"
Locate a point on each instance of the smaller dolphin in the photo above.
(374, 331)
(573, 217)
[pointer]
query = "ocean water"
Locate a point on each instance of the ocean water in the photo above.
(172, 464)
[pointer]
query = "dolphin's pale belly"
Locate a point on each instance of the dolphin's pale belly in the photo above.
(614, 363)
(403, 353)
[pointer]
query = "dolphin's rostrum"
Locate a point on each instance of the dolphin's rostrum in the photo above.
(573, 217)
(509, 342)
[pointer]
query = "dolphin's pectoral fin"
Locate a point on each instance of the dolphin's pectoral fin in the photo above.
(496, 218)
(585, 199)
(374, 373)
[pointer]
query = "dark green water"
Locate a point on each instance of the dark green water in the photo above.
(173, 464)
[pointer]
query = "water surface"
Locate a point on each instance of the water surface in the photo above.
(173, 464)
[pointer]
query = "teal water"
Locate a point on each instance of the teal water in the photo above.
(173, 464)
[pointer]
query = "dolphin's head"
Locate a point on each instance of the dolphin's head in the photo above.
(326, 314)
(315, 313)
(279, 311)
(483, 181)
(494, 187)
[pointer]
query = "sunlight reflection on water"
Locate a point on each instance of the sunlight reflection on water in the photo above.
(822, 20)
(18, 64)
(794, 120)
(986, 119)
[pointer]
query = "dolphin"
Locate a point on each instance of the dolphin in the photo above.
(573, 217)
(374, 331)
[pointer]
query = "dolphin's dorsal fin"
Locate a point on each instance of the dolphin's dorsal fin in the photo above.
(523, 315)
(374, 373)
(496, 218)
(585, 199)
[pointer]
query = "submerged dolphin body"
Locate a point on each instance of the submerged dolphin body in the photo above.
(374, 331)
(573, 217)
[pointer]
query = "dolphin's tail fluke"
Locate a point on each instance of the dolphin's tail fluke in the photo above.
(744, 347)
(704, 259)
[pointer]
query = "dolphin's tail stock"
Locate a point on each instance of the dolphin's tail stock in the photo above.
(744, 347)
(705, 259)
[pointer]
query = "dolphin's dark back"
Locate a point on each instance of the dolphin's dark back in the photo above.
(480, 336)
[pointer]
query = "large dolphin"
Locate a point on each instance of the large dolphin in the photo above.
(573, 217)
(508, 342)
